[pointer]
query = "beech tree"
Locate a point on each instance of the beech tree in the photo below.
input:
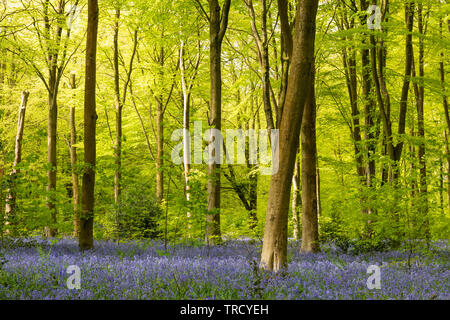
(86, 236)
(274, 252)
(218, 23)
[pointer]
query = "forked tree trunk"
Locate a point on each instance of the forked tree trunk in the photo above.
(73, 163)
(274, 251)
(86, 236)
(10, 207)
(218, 26)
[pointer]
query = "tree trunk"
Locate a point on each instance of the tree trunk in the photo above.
(10, 207)
(310, 226)
(262, 45)
(186, 87)
(286, 54)
(296, 200)
(370, 135)
(446, 113)
(419, 92)
(319, 199)
(274, 251)
(447, 152)
(73, 163)
(50, 230)
(218, 27)
(159, 151)
(253, 177)
(86, 236)
(54, 76)
(119, 107)
(186, 140)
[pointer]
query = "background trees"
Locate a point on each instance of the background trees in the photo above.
(163, 66)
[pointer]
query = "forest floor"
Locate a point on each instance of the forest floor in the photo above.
(38, 269)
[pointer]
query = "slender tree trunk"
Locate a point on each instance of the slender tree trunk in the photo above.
(253, 178)
(86, 236)
(186, 87)
(159, 151)
(119, 107)
(218, 27)
(447, 152)
(370, 132)
(10, 208)
(2, 201)
(409, 18)
(160, 133)
(262, 45)
(73, 162)
(319, 198)
(446, 113)
(441, 186)
(186, 126)
(54, 74)
(274, 251)
(419, 92)
(51, 231)
(296, 200)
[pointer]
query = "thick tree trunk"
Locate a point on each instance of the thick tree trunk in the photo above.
(86, 236)
(274, 251)
(218, 27)
(73, 163)
(310, 226)
(10, 207)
